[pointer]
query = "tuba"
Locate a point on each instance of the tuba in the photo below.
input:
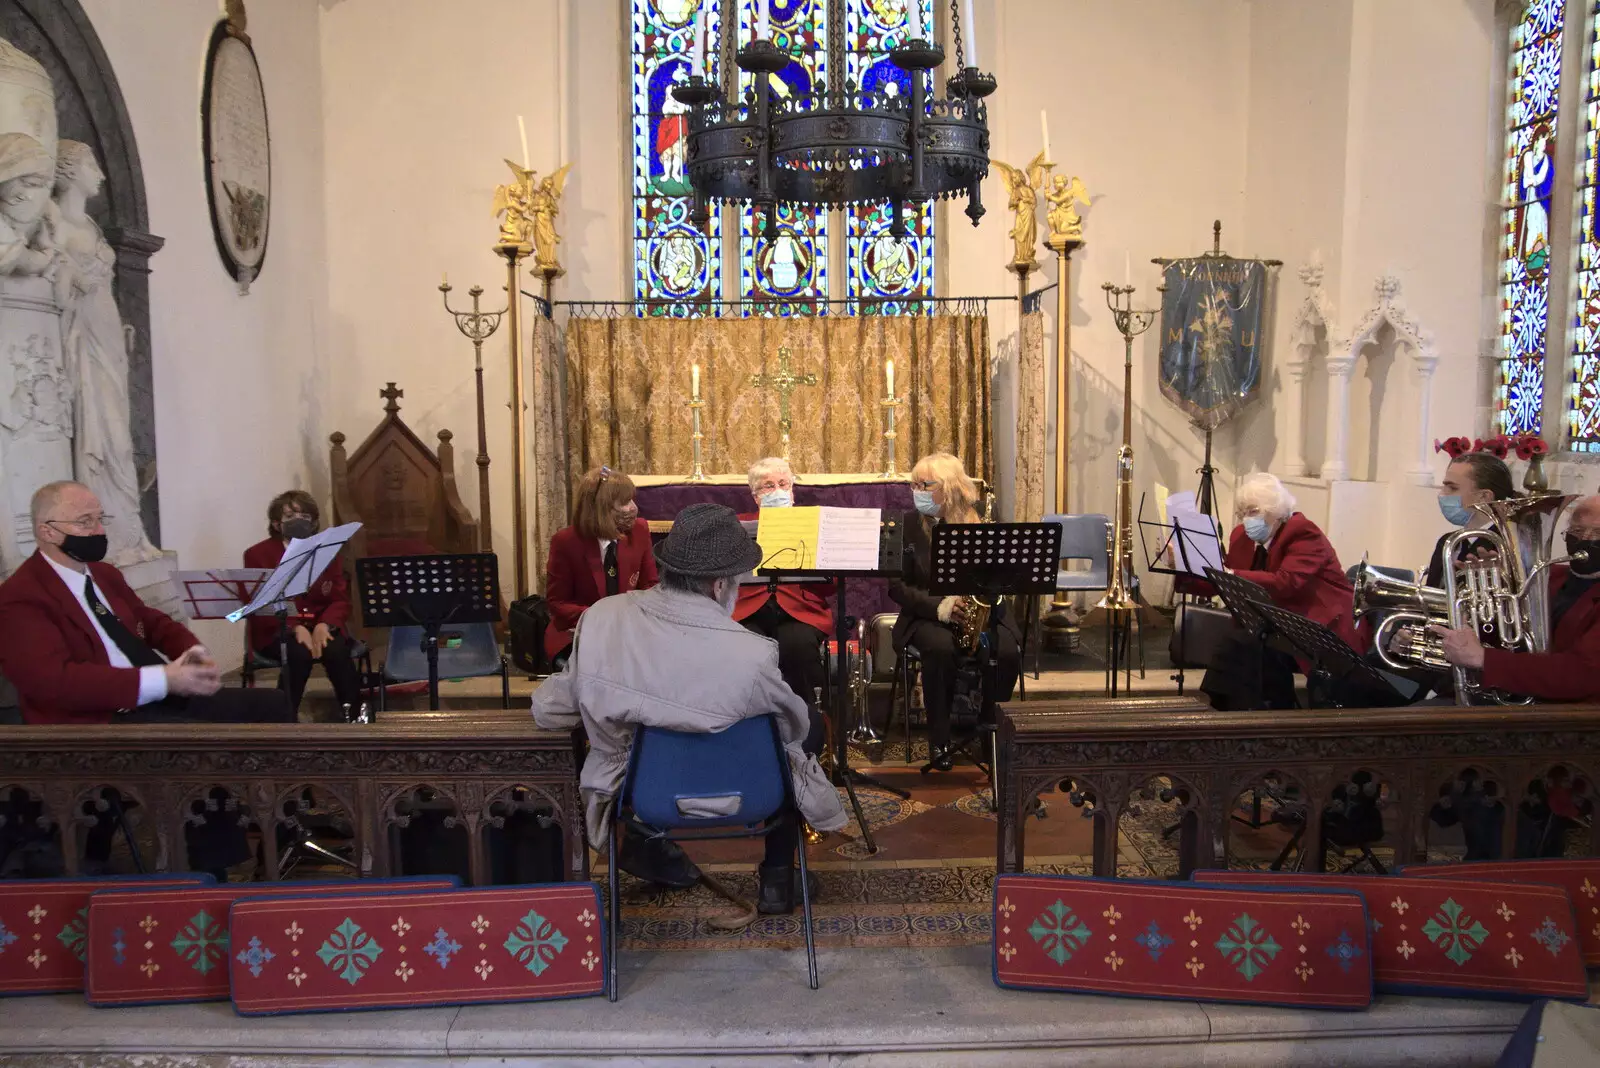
(1504, 596)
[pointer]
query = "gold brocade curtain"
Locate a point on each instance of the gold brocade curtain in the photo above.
(628, 384)
(548, 445)
(1028, 499)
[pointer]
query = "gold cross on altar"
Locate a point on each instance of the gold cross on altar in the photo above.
(784, 382)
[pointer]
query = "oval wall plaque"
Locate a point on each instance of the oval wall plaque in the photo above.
(238, 148)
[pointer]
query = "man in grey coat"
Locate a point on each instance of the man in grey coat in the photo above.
(672, 657)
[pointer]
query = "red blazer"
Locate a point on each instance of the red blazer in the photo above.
(55, 659)
(575, 577)
(1570, 671)
(1302, 575)
(327, 601)
(806, 604)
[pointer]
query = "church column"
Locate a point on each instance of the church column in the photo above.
(1335, 466)
(1295, 427)
(134, 248)
(1423, 365)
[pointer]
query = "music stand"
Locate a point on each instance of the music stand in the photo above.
(304, 561)
(991, 560)
(428, 592)
(1335, 668)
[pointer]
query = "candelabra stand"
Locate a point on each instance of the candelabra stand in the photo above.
(478, 326)
(1059, 625)
(698, 474)
(514, 253)
(889, 404)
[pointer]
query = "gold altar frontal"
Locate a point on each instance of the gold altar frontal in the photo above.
(740, 480)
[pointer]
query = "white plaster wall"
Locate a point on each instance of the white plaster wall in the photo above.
(241, 382)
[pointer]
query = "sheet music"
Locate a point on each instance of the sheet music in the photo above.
(848, 539)
(788, 537)
(1198, 546)
(304, 561)
(213, 594)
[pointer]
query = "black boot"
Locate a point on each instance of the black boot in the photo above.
(778, 893)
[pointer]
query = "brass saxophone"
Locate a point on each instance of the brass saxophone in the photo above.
(969, 616)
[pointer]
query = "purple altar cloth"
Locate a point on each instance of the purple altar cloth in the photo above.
(864, 598)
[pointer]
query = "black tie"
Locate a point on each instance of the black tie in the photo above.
(611, 568)
(1259, 561)
(138, 653)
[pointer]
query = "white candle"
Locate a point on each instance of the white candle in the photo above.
(694, 381)
(522, 129)
(764, 21)
(888, 376)
(698, 60)
(1044, 132)
(913, 19)
(444, 278)
(969, 34)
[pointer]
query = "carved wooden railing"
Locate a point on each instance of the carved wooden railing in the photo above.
(1115, 755)
(479, 768)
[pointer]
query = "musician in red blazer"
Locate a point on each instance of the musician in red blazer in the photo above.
(606, 550)
(1570, 669)
(316, 626)
(80, 647)
(798, 616)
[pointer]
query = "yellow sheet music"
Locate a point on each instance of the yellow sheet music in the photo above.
(788, 537)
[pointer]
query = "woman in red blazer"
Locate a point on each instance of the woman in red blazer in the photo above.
(606, 550)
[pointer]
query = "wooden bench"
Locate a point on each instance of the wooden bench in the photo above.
(1110, 750)
(483, 763)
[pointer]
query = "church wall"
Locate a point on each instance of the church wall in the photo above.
(240, 381)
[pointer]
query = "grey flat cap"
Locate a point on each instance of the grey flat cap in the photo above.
(707, 541)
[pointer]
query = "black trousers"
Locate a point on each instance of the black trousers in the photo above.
(799, 648)
(1244, 673)
(936, 645)
(218, 841)
(335, 660)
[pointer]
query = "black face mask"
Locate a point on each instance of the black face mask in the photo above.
(1584, 568)
(299, 528)
(85, 548)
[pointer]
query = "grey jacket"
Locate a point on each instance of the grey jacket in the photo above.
(665, 658)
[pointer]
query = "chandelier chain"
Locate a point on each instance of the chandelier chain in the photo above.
(955, 32)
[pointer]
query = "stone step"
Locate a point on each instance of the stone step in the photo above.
(916, 1008)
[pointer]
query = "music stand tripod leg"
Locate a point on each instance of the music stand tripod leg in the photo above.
(431, 632)
(843, 774)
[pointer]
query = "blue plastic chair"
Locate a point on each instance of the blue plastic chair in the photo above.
(746, 762)
(477, 654)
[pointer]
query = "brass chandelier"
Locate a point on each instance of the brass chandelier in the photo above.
(842, 145)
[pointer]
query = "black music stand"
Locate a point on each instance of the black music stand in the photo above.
(991, 560)
(1187, 549)
(1338, 674)
(428, 592)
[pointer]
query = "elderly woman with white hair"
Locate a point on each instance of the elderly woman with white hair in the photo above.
(796, 616)
(1286, 554)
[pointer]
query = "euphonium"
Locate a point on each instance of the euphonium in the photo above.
(1503, 597)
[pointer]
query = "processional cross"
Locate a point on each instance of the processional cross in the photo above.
(784, 382)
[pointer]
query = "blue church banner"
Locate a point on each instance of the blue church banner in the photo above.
(1211, 320)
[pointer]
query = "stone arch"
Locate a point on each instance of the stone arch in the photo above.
(90, 108)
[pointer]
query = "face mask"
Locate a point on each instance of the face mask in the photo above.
(1455, 513)
(1257, 529)
(923, 499)
(776, 499)
(1590, 566)
(298, 528)
(85, 548)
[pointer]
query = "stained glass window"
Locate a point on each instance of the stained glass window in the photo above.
(674, 260)
(1583, 397)
(1534, 98)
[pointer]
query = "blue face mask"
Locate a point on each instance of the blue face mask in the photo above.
(923, 499)
(1454, 511)
(776, 499)
(1257, 529)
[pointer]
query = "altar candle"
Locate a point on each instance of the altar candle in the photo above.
(522, 129)
(694, 381)
(699, 57)
(913, 19)
(970, 34)
(764, 21)
(1044, 132)
(444, 278)
(888, 377)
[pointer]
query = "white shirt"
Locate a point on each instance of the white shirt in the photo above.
(153, 679)
(604, 542)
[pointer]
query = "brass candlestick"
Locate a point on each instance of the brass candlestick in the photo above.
(698, 474)
(515, 252)
(1060, 623)
(890, 403)
(478, 326)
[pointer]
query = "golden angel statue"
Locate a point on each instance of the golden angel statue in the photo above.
(513, 206)
(1062, 193)
(546, 205)
(1022, 189)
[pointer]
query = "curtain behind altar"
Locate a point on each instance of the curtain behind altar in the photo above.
(628, 391)
(548, 430)
(1028, 504)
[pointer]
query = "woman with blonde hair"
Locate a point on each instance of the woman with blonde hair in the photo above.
(606, 550)
(943, 493)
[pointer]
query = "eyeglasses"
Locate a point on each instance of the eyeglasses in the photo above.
(83, 522)
(927, 485)
(774, 484)
(1584, 533)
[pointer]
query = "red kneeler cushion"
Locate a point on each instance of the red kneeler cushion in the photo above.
(44, 928)
(1456, 937)
(150, 947)
(403, 949)
(1179, 940)
(1578, 876)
